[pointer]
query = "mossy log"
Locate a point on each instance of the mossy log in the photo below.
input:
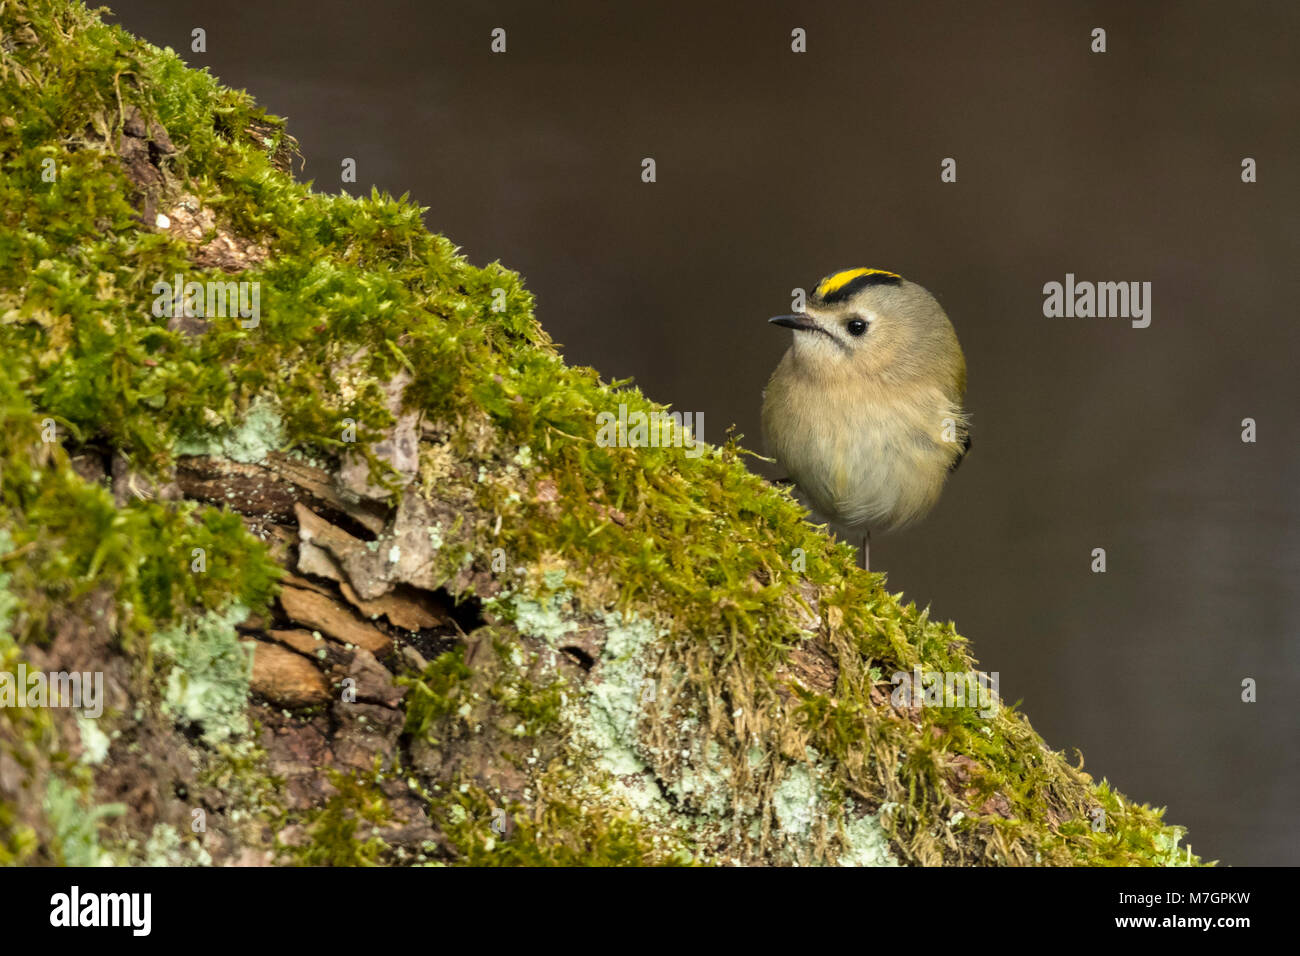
(363, 585)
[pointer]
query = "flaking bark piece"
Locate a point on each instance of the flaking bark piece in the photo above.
(307, 584)
(408, 553)
(314, 610)
(324, 548)
(270, 488)
(286, 678)
(317, 561)
(408, 609)
(315, 530)
(318, 484)
(374, 683)
(405, 555)
(304, 642)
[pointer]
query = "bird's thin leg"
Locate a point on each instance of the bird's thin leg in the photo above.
(866, 551)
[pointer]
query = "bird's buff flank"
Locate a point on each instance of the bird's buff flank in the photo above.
(864, 411)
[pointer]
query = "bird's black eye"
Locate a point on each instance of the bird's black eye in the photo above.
(856, 326)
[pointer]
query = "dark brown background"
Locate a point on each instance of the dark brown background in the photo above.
(776, 168)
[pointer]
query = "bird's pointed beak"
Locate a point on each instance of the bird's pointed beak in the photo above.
(799, 322)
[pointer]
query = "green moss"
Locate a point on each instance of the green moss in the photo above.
(446, 691)
(29, 743)
(438, 692)
(483, 834)
(18, 841)
(9, 602)
(238, 768)
(537, 707)
(73, 541)
(340, 832)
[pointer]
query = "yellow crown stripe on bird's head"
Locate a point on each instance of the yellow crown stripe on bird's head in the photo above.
(840, 279)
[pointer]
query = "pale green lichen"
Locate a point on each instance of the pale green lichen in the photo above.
(795, 802)
(865, 842)
(76, 825)
(166, 847)
(546, 618)
(614, 695)
(95, 743)
(705, 787)
(208, 673)
(604, 720)
(435, 537)
(258, 433)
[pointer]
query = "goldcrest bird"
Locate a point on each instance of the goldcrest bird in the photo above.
(864, 411)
